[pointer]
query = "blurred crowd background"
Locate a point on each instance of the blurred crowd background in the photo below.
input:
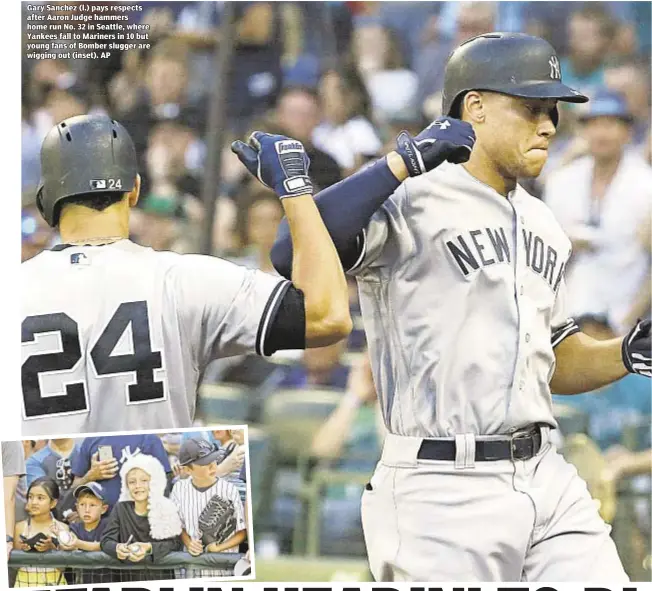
(345, 78)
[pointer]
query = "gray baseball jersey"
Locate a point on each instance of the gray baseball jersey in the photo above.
(462, 293)
(117, 337)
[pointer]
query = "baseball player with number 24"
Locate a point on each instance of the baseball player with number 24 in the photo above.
(461, 280)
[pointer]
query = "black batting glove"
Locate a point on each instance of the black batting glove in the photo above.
(637, 349)
(445, 138)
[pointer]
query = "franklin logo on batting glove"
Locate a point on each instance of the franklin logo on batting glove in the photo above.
(278, 162)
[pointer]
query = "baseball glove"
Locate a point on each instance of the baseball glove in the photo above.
(217, 522)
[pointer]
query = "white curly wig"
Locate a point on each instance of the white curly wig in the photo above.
(163, 517)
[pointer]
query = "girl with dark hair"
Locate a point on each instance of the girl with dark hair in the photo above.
(39, 532)
(346, 133)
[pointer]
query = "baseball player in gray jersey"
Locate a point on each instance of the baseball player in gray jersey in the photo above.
(116, 336)
(461, 280)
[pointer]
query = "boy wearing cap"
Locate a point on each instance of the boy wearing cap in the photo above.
(193, 494)
(91, 506)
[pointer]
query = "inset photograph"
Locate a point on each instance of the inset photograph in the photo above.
(128, 507)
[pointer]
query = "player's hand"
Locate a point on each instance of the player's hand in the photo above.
(122, 551)
(444, 139)
(10, 547)
(277, 161)
(195, 548)
(102, 470)
(637, 349)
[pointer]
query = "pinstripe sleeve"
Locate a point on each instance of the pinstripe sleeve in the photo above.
(174, 496)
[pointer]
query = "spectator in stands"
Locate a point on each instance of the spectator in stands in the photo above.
(631, 78)
(472, 18)
(88, 467)
(391, 85)
(590, 31)
(39, 532)
(232, 441)
(126, 87)
(144, 525)
(411, 23)
(260, 214)
(86, 534)
(13, 467)
(321, 368)
(346, 132)
(610, 194)
(297, 115)
(169, 186)
(53, 461)
(30, 446)
(192, 495)
(166, 82)
(91, 508)
(172, 444)
(256, 69)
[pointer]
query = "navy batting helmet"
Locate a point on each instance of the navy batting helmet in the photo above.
(81, 156)
(509, 63)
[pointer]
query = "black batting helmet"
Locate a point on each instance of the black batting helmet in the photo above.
(81, 156)
(510, 63)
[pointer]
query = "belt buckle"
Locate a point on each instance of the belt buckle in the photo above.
(512, 445)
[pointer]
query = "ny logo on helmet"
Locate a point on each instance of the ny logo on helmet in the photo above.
(555, 71)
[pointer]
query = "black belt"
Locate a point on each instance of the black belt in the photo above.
(522, 445)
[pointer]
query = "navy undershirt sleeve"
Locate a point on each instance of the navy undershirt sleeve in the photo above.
(346, 208)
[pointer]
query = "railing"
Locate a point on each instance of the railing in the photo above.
(61, 568)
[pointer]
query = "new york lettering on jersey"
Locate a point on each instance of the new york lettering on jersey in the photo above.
(488, 246)
(122, 336)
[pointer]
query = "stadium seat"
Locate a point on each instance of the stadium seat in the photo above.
(223, 404)
(293, 416)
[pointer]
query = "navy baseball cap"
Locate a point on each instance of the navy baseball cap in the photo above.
(607, 103)
(95, 488)
(197, 451)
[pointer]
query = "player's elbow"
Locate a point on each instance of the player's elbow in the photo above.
(326, 328)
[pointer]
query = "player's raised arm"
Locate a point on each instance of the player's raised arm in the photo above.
(347, 206)
(282, 164)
